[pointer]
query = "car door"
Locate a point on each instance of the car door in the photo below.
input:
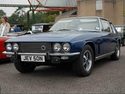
(107, 38)
(115, 36)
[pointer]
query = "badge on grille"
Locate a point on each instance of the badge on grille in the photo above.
(43, 47)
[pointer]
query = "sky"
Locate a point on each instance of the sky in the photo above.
(52, 3)
(10, 10)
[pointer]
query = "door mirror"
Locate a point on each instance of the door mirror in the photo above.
(97, 28)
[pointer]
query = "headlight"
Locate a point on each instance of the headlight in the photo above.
(57, 47)
(8, 47)
(66, 47)
(15, 47)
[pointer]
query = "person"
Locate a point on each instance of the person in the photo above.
(16, 28)
(4, 27)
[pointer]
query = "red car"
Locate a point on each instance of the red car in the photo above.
(2, 48)
(12, 33)
(4, 38)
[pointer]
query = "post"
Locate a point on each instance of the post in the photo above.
(33, 17)
(28, 19)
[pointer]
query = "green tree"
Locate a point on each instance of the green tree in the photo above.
(17, 19)
(45, 17)
(40, 17)
(1, 14)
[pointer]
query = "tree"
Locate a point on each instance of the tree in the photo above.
(2, 13)
(45, 17)
(39, 17)
(19, 17)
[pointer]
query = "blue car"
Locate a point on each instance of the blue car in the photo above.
(79, 41)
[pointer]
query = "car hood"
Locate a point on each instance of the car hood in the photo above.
(14, 34)
(53, 37)
(3, 38)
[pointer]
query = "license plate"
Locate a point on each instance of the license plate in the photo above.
(29, 58)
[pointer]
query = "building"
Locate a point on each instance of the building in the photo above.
(113, 10)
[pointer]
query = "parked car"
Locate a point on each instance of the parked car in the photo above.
(2, 47)
(41, 27)
(4, 38)
(121, 31)
(78, 40)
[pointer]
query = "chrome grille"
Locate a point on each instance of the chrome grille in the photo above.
(35, 47)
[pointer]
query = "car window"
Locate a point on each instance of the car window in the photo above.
(82, 24)
(90, 24)
(113, 29)
(106, 26)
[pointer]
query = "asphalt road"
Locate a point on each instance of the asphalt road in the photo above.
(107, 77)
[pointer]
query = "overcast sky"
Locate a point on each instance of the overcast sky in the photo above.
(10, 10)
(52, 3)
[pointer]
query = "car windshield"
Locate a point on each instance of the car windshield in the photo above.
(82, 24)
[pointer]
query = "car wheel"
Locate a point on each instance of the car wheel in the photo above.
(116, 54)
(24, 67)
(123, 43)
(84, 65)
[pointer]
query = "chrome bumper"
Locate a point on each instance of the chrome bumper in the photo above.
(51, 54)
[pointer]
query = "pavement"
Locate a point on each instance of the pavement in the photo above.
(108, 77)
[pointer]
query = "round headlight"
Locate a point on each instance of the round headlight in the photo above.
(8, 47)
(15, 47)
(57, 47)
(66, 47)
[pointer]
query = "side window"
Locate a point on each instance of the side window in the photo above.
(106, 26)
(113, 29)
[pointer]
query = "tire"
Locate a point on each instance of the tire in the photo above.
(116, 54)
(24, 67)
(84, 65)
(123, 42)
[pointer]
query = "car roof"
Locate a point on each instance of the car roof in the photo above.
(120, 25)
(91, 17)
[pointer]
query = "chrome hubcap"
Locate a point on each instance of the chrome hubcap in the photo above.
(118, 52)
(87, 60)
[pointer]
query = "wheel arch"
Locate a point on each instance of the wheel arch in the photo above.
(93, 47)
(119, 41)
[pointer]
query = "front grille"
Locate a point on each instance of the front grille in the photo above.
(35, 47)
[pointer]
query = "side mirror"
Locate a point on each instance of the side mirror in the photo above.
(29, 32)
(97, 28)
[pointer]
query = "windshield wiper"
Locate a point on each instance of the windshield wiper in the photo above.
(64, 30)
(50, 30)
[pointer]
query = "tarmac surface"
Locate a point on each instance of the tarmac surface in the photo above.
(108, 77)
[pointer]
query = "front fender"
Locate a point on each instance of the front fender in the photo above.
(2, 47)
(77, 46)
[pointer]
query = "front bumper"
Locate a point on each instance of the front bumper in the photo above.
(45, 54)
(55, 58)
